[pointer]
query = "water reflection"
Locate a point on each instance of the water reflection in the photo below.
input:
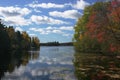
(34, 55)
(10, 61)
(97, 67)
(51, 63)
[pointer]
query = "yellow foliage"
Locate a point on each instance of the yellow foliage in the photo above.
(81, 36)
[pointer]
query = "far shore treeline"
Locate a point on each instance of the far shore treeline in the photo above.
(55, 43)
(16, 40)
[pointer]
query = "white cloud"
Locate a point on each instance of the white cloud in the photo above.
(16, 20)
(36, 10)
(71, 14)
(67, 34)
(14, 16)
(46, 5)
(32, 35)
(49, 28)
(40, 30)
(18, 29)
(69, 28)
(81, 4)
(13, 11)
(46, 20)
(57, 30)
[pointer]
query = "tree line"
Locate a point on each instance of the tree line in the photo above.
(12, 40)
(98, 30)
(56, 43)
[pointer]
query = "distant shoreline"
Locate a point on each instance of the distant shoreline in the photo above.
(58, 44)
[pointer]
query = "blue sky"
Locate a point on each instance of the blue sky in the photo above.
(50, 20)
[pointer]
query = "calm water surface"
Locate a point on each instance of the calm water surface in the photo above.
(96, 66)
(50, 63)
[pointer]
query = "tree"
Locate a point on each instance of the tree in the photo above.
(26, 41)
(82, 39)
(15, 40)
(99, 28)
(35, 42)
(4, 39)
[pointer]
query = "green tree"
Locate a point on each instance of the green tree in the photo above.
(35, 42)
(4, 39)
(13, 38)
(26, 41)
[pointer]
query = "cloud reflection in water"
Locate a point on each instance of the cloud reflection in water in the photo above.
(52, 61)
(45, 68)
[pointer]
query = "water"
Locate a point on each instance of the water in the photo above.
(51, 63)
(96, 66)
(58, 63)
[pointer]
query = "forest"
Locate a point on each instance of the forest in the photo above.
(16, 40)
(97, 42)
(98, 30)
(56, 43)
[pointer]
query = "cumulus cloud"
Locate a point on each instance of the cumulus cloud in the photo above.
(46, 20)
(71, 14)
(16, 20)
(40, 30)
(14, 15)
(13, 11)
(56, 30)
(80, 4)
(46, 5)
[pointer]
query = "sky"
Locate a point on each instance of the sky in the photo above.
(49, 20)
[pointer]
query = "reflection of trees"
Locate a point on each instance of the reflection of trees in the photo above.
(96, 67)
(55, 49)
(34, 54)
(4, 62)
(9, 61)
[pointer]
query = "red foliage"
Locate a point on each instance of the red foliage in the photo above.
(113, 48)
(94, 28)
(100, 36)
(114, 3)
(115, 14)
(91, 26)
(99, 25)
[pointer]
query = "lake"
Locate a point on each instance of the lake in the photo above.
(59, 63)
(50, 63)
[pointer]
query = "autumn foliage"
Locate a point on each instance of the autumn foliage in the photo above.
(100, 28)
